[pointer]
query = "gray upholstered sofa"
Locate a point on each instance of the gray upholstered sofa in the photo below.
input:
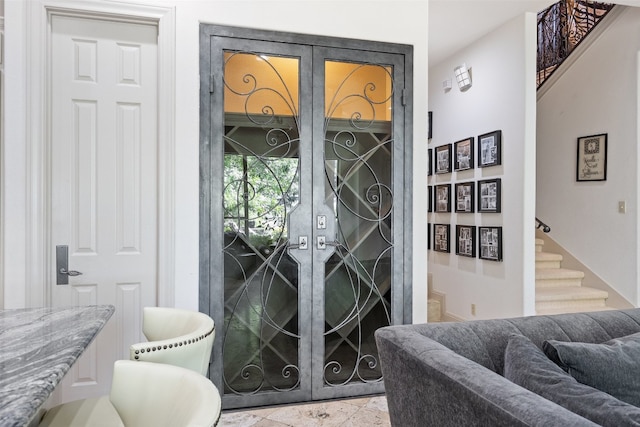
(451, 374)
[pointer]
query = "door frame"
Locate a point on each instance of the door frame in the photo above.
(208, 84)
(1, 157)
(38, 137)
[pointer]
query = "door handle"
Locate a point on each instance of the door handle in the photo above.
(70, 273)
(62, 266)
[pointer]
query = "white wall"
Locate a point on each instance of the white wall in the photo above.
(14, 161)
(370, 21)
(599, 94)
(502, 97)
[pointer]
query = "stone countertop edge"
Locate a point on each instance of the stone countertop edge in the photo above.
(38, 347)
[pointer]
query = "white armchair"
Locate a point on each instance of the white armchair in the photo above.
(176, 337)
(144, 394)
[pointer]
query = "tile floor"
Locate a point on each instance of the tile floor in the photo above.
(355, 412)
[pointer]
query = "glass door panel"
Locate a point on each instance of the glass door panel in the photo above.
(358, 163)
(261, 188)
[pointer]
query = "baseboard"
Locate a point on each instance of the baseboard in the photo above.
(448, 317)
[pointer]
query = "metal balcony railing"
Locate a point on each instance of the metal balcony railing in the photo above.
(561, 27)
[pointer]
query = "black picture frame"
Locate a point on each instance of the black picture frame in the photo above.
(490, 149)
(489, 195)
(466, 240)
(490, 243)
(465, 197)
(430, 131)
(441, 237)
(430, 198)
(443, 159)
(463, 154)
(429, 236)
(430, 161)
(442, 198)
(591, 163)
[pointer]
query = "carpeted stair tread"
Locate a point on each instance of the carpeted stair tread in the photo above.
(558, 273)
(434, 310)
(548, 256)
(549, 311)
(570, 294)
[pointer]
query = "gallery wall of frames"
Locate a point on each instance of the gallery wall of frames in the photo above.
(464, 197)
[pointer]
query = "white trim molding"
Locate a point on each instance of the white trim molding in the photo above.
(38, 244)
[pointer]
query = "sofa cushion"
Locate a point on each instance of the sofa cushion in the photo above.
(612, 367)
(527, 366)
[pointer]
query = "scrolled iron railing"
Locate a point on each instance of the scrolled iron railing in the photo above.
(561, 27)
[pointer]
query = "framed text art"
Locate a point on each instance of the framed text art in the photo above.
(443, 159)
(463, 152)
(592, 158)
(443, 198)
(490, 149)
(490, 239)
(466, 240)
(489, 195)
(441, 237)
(465, 197)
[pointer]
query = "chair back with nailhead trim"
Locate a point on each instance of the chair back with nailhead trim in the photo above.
(176, 337)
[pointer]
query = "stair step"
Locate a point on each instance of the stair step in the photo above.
(570, 298)
(548, 260)
(550, 311)
(539, 245)
(570, 294)
(434, 311)
(558, 277)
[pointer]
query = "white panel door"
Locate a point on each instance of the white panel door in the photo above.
(104, 181)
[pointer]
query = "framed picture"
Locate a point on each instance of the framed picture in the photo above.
(428, 236)
(443, 159)
(489, 195)
(430, 161)
(443, 198)
(489, 149)
(430, 198)
(441, 237)
(490, 239)
(592, 158)
(465, 197)
(463, 154)
(466, 240)
(430, 125)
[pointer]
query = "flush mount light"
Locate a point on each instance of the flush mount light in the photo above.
(463, 77)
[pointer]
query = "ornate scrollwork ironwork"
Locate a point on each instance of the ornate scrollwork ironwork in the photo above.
(561, 27)
(261, 187)
(358, 157)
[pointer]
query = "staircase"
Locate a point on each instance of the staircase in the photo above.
(560, 290)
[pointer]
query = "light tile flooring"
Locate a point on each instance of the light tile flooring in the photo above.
(356, 412)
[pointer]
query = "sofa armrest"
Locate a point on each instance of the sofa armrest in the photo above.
(428, 384)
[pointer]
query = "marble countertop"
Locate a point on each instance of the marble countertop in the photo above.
(37, 348)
